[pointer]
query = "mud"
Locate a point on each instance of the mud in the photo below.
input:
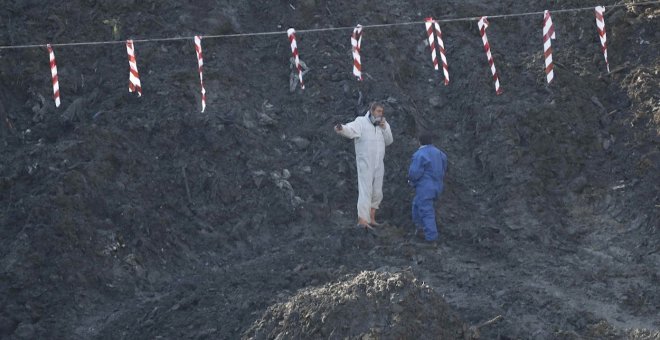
(125, 217)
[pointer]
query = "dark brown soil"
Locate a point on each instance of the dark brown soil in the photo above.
(132, 218)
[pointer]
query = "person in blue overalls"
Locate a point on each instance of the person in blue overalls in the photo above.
(426, 175)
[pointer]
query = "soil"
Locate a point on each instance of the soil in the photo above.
(125, 217)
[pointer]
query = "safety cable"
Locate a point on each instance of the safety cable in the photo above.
(234, 35)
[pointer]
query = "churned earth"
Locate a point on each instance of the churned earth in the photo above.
(131, 218)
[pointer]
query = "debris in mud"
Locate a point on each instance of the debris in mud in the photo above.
(370, 305)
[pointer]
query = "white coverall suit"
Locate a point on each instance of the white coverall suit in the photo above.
(370, 142)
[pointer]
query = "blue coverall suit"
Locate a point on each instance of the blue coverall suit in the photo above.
(426, 174)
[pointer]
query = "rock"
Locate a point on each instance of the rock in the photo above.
(258, 177)
(297, 201)
(248, 123)
(266, 120)
(75, 110)
(25, 331)
(300, 142)
(597, 102)
(391, 100)
(437, 101)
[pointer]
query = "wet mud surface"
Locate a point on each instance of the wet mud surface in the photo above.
(125, 217)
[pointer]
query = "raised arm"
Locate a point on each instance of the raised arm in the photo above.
(350, 130)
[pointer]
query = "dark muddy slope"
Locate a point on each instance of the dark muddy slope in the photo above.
(126, 217)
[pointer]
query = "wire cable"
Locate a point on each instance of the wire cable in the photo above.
(313, 30)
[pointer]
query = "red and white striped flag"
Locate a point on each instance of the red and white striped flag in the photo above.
(291, 33)
(55, 79)
(434, 33)
(483, 25)
(356, 43)
(548, 35)
(441, 47)
(428, 22)
(133, 76)
(599, 11)
(200, 64)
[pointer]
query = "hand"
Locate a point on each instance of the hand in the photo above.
(382, 122)
(338, 127)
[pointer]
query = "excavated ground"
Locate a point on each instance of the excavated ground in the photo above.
(125, 217)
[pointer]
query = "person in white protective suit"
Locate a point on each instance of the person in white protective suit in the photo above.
(371, 134)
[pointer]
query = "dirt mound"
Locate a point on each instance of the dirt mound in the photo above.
(370, 305)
